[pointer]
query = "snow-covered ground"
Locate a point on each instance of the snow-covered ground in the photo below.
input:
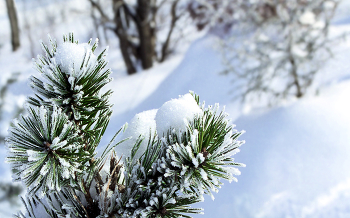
(297, 154)
(297, 159)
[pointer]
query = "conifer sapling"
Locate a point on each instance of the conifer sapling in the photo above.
(169, 158)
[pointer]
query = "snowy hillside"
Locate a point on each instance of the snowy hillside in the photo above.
(297, 160)
(296, 155)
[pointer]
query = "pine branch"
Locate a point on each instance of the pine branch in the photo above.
(52, 149)
(55, 144)
(175, 171)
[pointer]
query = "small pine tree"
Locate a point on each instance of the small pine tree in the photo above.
(53, 149)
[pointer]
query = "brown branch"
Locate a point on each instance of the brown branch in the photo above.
(124, 43)
(99, 9)
(128, 12)
(116, 167)
(77, 199)
(87, 195)
(155, 10)
(12, 15)
(294, 69)
(97, 176)
(174, 19)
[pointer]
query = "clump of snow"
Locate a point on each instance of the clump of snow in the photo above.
(307, 18)
(176, 114)
(329, 4)
(263, 38)
(298, 51)
(144, 125)
(70, 56)
(319, 25)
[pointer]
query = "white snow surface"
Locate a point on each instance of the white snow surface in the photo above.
(176, 114)
(297, 160)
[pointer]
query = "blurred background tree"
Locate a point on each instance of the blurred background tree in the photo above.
(12, 15)
(275, 48)
(138, 25)
(272, 49)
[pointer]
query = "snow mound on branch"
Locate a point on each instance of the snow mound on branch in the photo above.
(70, 56)
(176, 114)
(144, 125)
